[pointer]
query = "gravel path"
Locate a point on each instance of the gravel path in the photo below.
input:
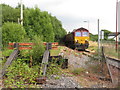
(61, 82)
(75, 61)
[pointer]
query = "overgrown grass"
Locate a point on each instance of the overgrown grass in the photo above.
(111, 51)
(6, 52)
(78, 71)
(55, 52)
(19, 74)
(93, 48)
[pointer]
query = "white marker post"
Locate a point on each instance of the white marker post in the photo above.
(102, 37)
(98, 39)
(21, 14)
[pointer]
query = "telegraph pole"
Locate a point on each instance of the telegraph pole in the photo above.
(116, 24)
(21, 14)
(98, 38)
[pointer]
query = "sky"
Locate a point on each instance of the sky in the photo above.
(74, 13)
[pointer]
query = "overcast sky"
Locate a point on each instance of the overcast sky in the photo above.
(73, 13)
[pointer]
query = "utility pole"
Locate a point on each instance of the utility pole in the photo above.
(119, 30)
(98, 38)
(116, 25)
(21, 14)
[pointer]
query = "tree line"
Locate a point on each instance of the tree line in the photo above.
(36, 23)
(106, 34)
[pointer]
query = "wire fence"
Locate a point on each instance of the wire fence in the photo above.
(110, 48)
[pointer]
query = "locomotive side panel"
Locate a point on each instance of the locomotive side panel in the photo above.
(69, 40)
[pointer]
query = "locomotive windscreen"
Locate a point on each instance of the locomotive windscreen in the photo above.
(77, 34)
(85, 34)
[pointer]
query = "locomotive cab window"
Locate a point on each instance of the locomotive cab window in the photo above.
(77, 34)
(85, 34)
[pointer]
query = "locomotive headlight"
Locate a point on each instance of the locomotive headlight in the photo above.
(86, 40)
(76, 40)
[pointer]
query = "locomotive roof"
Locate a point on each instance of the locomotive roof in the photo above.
(80, 29)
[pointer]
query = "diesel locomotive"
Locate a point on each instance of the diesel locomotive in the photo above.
(78, 39)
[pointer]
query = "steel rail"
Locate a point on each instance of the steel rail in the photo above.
(113, 68)
(113, 62)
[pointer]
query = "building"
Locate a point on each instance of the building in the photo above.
(113, 36)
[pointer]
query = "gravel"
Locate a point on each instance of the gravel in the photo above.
(62, 82)
(78, 61)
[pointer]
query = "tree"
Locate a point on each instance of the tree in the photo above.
(10, 14)
(93, 37)
(12, 32)
(106, 32)
(57, 28)
(36, 23)
(39, 23)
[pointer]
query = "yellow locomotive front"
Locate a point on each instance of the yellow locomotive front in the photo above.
(81, 38)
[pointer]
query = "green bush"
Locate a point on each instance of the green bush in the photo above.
(37, 50)
(12, 32)
(19, 75)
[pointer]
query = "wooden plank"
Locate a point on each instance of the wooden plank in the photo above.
(45, 61)
(11, 43)
(21, 48)
(24, 44)
(9, 60)
(55, 43)
(55, 47)
(24, 48)
(44, 43)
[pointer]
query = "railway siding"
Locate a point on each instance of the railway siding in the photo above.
(114, 70)
(113, 62)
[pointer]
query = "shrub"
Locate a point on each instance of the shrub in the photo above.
(12, 32)
(37, 50)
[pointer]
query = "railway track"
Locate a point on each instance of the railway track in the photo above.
(114, 70)
(112, 64)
